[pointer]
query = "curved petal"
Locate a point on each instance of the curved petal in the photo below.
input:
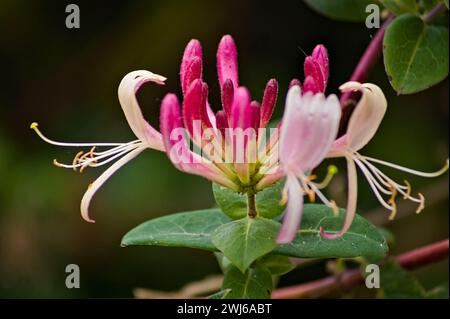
(310, 125)
(192, 52)
(176, 145)
(268, 102)
(227, 67)
(128, 87)
(293, 214)
(351, 201)
(368, 113)
(94, 187)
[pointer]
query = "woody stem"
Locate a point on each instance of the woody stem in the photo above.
(251, 205)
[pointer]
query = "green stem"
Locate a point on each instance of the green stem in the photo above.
(251, 205)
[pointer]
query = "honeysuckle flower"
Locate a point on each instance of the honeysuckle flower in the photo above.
(147, 137)
(196, 116)
(215, 134)
(310, 124)
(362, 126)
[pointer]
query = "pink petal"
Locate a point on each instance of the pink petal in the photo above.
(227, 96)
(192, 51)
(293, 214)
(241, 113)
(351, 201)
(310, 85)
(320, 54)
(255, 115)
(195, 108)
(313, 69)
(193, 72)
(269, 101)
(227, 67)
(176, 146)
(295, 82)
(310, 125)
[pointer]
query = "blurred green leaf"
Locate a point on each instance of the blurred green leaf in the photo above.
(220, 295)
(446, 3)
(255, 283)
(346, 10)
(415, 54)
(401, 6)
(362, 239)
(397, 283)
(187, 229)
(277, 265)
(243, 241)
(235, 204)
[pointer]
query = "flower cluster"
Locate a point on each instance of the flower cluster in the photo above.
(232, 148)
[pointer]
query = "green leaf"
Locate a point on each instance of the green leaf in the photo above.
(194, 229)
(255, 283)
(415, 54)
(277, 265)
(346, 10)
(234, 204)
(397, 283)
(446, 3)
(401, 6)
(188, 229)
(220, 294)
(243, 241)
(362, 239)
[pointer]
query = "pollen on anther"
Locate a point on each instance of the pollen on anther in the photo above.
(422, 203)
(34, 125)
(408, 189)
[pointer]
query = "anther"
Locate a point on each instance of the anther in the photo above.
(335, 208)
(422, 203)
(284, 198)
(408, 189)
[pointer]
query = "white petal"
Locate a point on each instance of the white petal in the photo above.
(128, 87)
(368, 114)
(294, 210)
(102, 179)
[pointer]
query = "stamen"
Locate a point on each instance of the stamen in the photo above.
(34, 126)
(284, 197)
(76, 159)
(408, 189)
(332, 170)
(411, 171)
(392, 202)
(422, 203)
(335, 208)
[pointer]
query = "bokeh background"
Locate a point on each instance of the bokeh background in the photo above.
(67, 81)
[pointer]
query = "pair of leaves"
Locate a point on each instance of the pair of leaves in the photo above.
(234, 204)
(211, 230)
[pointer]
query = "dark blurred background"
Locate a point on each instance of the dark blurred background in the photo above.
(67, 79)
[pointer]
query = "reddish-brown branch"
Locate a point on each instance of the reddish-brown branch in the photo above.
(364, 67)
(410, 260)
